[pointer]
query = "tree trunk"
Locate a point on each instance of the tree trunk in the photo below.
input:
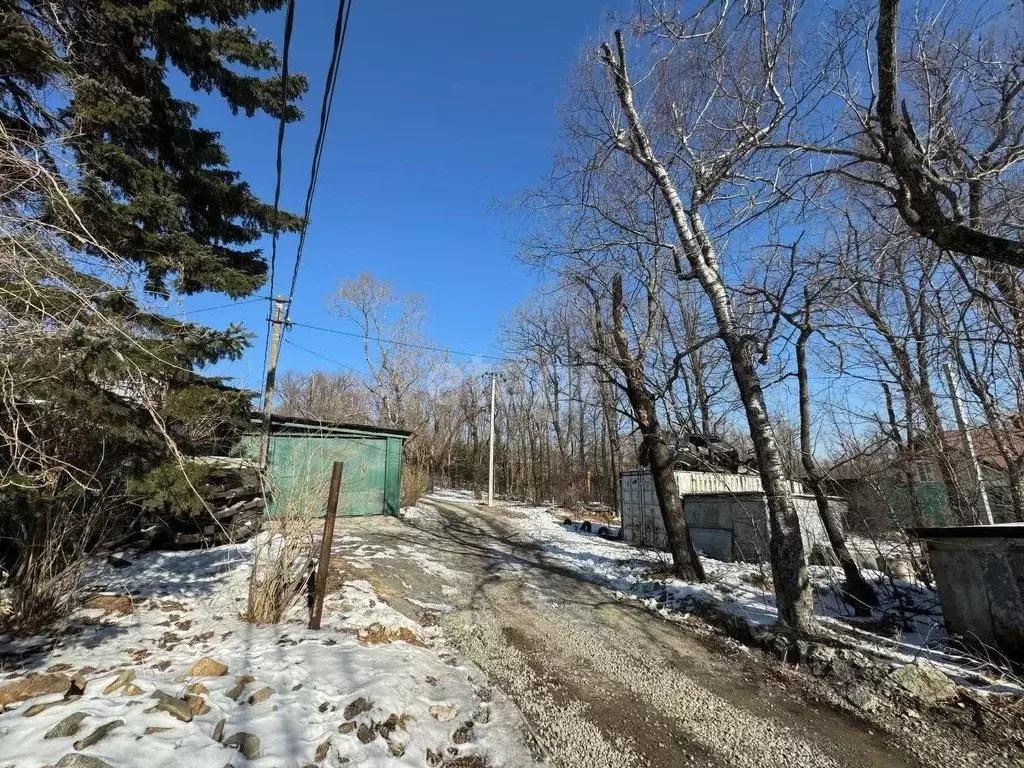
(686, 563)
(789, 569)
(608, 412)
(789, 565)
(859, 593)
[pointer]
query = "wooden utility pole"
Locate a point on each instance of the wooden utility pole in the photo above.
(979, 475)
(277, 322)
(490, 463)
(325, 545)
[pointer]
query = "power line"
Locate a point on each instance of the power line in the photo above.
(220, 306)
(340, 28)
(325, 358)
(400, 343)
(289, 23)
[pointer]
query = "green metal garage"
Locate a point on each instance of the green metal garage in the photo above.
(302, 452)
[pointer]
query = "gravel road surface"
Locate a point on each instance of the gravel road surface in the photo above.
(603, 682)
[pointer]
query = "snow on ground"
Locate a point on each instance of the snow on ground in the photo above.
(739, 589)
(286, 685)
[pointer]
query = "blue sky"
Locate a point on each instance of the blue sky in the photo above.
(442, 111)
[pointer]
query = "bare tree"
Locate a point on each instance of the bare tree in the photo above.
(970, 139)
(724, 71)
(338, 397)
(395, 352)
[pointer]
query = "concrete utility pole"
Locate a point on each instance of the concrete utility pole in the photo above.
(276, 327)
(490, 462)
(979, 475)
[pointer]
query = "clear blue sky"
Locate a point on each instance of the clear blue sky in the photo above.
(442, 110)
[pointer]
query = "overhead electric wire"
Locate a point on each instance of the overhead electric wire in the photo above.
(340, 28)
(325, 358)
(220, 306)
(400, 343)
(289, 23)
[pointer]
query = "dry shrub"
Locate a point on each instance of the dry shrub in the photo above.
(47, 540)
(6, 605)
(415, 484)
(283, 559)
(280, 570)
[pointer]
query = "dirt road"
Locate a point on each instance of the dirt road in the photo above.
(602, 681)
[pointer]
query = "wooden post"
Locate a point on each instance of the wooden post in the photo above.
(277, 321)
(325, 545)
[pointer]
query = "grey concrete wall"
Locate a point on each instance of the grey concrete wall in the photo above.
(981, 586)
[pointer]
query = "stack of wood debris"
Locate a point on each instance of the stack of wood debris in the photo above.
(232, 492)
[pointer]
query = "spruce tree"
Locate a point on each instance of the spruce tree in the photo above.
(112, 194)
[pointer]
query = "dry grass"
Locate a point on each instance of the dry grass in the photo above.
(415, 484)
(376, 634)
(284, 559)
(280, 570)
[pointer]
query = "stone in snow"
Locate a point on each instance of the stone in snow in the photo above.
(482, 714)
(356, 708)
(366, 734)
(443, 712)
(321, 752)
(69, 726)
(246, 743)
(175, 707)
(196, 704)
(347, 727)
(198, 689)
(98, 735)
(240, 682)
(461, 735)
(125, 678)
(261, 695)
(26, 688)
(78, 760)
(207, 667)
(38, 709)
(218, 730)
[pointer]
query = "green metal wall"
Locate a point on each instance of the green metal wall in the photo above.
(299, 470)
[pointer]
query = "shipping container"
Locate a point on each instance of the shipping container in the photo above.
(727, 515)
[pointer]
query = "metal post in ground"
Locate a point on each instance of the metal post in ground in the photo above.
(325, 545)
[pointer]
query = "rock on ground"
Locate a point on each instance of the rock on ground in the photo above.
(246, 743)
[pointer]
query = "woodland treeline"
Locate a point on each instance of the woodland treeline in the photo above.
(791, 226)
(794, 227)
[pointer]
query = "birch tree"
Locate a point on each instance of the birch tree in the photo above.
(713, 95)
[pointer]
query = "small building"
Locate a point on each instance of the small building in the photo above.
(979, 572)
(992, 450)
(302, 452)
(727, 514)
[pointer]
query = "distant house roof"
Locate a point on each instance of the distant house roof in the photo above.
(985, 445)
(300, 425)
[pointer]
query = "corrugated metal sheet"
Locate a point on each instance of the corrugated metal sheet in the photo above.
(716, 482)
(299, 470)
(723, 526)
